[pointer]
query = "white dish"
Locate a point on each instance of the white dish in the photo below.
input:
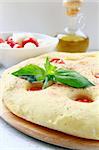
(12, 56)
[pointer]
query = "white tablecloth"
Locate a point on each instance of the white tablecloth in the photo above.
(11, 139)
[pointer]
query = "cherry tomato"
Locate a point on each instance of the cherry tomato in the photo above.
(57, 60)
(30, 40)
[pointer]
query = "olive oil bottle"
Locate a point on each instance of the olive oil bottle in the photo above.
(73, 40)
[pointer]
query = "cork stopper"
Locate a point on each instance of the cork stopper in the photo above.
(72, 6)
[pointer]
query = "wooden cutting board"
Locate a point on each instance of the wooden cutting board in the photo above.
(47, 135)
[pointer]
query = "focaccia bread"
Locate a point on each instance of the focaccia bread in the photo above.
(56, 107)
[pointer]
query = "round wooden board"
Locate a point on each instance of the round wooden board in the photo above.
(47, 135)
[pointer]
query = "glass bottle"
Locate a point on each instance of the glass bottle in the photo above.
(74, 40)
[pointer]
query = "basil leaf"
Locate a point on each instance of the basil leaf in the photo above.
(72, 78)
(31, 70)
(29, 78)
(49, 79)
(50, 69)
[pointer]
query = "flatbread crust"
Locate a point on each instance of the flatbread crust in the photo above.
(55, 107)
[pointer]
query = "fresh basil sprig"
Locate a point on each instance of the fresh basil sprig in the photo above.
(51, 74)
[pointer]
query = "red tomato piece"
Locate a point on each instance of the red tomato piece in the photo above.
(35, 89)
(30, 40)
(84, 100)
(97, 75)
(10, 42)
(57, 60)
(1, 40)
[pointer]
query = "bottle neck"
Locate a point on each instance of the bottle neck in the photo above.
(72, 25)
(75, 23)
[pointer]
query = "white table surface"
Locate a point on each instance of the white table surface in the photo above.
(11, 139)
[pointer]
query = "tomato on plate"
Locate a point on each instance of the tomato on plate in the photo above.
(30, 40)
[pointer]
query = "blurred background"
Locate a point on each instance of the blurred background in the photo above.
(47, 17)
